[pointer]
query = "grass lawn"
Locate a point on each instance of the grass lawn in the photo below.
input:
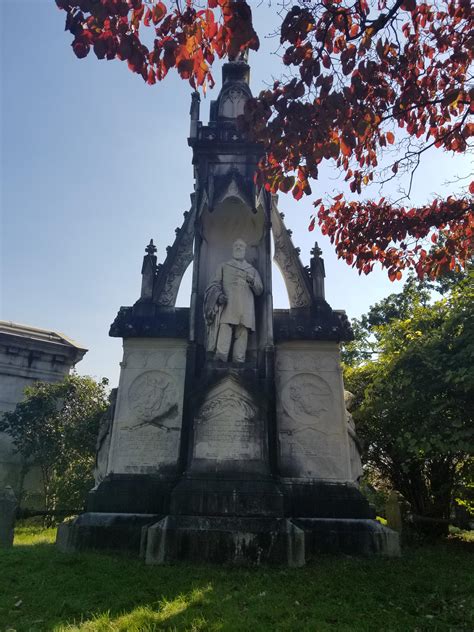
(428, 589)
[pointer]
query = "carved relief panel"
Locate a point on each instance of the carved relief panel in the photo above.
(228, 431)
(310, 414)
(147, 425)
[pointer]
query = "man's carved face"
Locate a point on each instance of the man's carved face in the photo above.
(238, 249)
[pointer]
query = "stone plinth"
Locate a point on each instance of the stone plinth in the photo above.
(225, 540)
(123, 532)
(349, 536)
(227, 497)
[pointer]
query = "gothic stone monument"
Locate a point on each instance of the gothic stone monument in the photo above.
(229, 439)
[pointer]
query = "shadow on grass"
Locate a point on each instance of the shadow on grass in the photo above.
(429, 588)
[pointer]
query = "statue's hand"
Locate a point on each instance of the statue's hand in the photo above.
(222, 300)
(250, 279)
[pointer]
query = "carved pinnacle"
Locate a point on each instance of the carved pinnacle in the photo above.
(316, 251)
(151, 248)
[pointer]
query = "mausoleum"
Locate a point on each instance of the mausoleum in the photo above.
(27, 355)
(229, 440)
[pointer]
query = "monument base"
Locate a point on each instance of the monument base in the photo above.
(347, 537)
(119, 532)
(227, 497)
(231, 540)
(235, 521)
(308, 498)
(225, 541)
(131, 493)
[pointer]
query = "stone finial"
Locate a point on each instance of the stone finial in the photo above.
(148, 271)
(194, 114)
(151, 248)
(318, 272)
(316, 251)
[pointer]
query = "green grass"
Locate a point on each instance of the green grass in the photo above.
(428, 589)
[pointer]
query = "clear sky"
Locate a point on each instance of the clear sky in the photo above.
(94, 162)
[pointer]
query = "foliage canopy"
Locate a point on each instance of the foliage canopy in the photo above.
(415, 394)
(362, 75)
(56, 427)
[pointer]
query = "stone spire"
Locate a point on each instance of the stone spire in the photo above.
(194, 114)
(148, 271)
(318, 273)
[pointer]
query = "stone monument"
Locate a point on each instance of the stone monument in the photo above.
(229, 439)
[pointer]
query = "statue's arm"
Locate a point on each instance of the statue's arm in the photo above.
(257, 283)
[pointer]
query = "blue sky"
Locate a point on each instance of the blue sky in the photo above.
(94, 162)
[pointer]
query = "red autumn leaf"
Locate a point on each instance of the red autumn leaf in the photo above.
(81, 48)
(158, 12)
(286, 184)
(380, 74)
(311, 225)
(297, 192)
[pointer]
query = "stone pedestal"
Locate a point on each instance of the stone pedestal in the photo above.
(349, 536)
(121, 532)
(225, 540)
(227, 497)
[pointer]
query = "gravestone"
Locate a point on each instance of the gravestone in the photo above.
(393, 512)
(230, 440)
(8, 507)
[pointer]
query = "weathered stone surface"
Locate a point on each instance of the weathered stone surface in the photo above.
(149, 320)
(147, 425)
(349, 536)
(131, 493)
(229, 432)
(104, 531)
(312, 432)
(319, 322)
(223, 496)
(8, 507)
(307, 498)
(355, 446)
(103, 439)
(225, 540)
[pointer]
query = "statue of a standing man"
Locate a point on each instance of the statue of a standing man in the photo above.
(229, 306)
